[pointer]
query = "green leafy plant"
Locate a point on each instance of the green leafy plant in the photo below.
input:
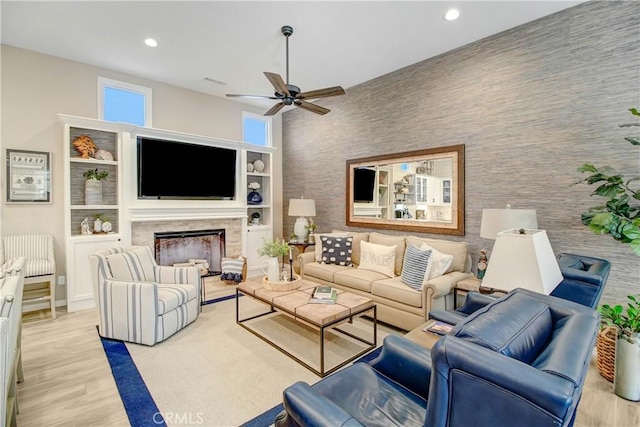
(94, 174)
(274, 248)
(620, 215)
(625, 320)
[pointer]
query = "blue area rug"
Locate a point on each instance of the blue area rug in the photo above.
(267, 418)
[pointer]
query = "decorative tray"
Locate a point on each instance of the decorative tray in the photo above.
(282, 286)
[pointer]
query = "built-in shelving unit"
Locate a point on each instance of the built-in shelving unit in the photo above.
(256, 232)
(79, 246)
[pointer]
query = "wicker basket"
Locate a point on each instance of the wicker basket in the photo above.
(606, 345)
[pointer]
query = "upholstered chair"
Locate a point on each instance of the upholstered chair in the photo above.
(39, 265)
(140, 301)
(11, 289)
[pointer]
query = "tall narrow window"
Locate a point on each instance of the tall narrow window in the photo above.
(256, 129)
(124, 102)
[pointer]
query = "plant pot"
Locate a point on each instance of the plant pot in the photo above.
(271, 268)
(92, 192)
(626, 382)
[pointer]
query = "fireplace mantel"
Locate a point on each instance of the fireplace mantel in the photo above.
(186, 213)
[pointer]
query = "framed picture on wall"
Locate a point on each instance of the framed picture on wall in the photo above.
(28, 176)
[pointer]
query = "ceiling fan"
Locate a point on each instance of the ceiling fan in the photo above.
(289, 94)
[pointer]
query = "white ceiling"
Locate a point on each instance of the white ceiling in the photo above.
(333, 43)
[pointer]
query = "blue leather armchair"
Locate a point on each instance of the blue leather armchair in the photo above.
(521, 360)
(583, 282)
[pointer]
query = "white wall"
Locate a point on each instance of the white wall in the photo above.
(36, 87)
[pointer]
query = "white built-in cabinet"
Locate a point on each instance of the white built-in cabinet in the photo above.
(108, 137)
(263, 230)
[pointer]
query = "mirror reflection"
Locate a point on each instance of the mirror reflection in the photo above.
(419, 190)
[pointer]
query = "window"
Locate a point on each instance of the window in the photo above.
(124, 102)
(256, 129)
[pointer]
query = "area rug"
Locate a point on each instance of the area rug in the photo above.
(215, 373)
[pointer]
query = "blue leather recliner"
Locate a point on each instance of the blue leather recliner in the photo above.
(521, 360)
(583, 280)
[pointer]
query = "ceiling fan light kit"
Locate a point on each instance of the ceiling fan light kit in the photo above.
(289, 94)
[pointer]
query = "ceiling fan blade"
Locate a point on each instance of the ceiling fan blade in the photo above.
(311, 107)
(322, 93)
(273, 110)
(233, 95)
(277, 83)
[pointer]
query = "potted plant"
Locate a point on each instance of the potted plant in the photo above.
(93, 186)
(626, 321)
(620, 215)
(273, 249)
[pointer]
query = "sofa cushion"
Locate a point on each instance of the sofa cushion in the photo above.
(355, 249)
(415, 267)
(357, 278)
(172, 296)
(439, 263)
(336, 250)
(135, 265)
(518, 327)
(459, 250)
(395, 290)
(323, 271)
(378, 258)
(387, 240)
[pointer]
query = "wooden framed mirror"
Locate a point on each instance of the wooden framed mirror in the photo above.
(421, 191)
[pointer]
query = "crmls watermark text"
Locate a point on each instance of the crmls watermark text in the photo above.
(182, 418)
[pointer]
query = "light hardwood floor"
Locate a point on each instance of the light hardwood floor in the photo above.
(68, 381)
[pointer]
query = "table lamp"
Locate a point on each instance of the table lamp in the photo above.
(497, 220)
(523, 258)
(302, 208)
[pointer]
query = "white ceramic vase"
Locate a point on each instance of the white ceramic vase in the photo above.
(92, 192)
(626, 381)
(271, 269)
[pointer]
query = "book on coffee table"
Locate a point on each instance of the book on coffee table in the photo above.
(437, 327)
(323, 295)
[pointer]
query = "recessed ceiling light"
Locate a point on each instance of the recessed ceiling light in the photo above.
(151, 42)
(451, 14)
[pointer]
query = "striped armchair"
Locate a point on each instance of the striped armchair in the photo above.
(39, 266)
(140, 301)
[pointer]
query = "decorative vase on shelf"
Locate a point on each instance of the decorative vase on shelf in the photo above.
(93, 192)
(97, 225)
(254, 198)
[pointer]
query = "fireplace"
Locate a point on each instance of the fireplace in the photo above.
(180, 246)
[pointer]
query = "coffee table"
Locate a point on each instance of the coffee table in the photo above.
(322, 317)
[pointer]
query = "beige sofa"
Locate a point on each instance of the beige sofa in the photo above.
(398, 304)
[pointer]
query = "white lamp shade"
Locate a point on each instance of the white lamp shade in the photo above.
(497, 220)
(302, 207)
(522, 261)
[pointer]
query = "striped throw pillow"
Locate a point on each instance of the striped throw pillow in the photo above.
(415, 266)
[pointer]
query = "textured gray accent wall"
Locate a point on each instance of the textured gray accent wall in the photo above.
(530, 104)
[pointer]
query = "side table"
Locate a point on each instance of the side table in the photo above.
(469, 285)
(301, 247)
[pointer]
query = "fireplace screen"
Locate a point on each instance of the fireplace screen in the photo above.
(177, 247)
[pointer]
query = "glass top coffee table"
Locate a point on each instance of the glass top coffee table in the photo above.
(325, 318)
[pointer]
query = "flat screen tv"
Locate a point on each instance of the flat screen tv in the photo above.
(181, 170)
(363, 184)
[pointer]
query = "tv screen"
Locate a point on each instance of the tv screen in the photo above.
(363, 185)
(180, 170)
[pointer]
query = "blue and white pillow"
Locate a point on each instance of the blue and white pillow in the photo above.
(336, 250)
(415, 267)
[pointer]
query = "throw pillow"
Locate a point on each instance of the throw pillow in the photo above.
(133, 265)
(318, 248)
(416, 266)
(336, 250)
(378, 258)
(440, 262)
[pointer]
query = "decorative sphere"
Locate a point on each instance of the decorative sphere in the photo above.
(258, 166)
(249, 167)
